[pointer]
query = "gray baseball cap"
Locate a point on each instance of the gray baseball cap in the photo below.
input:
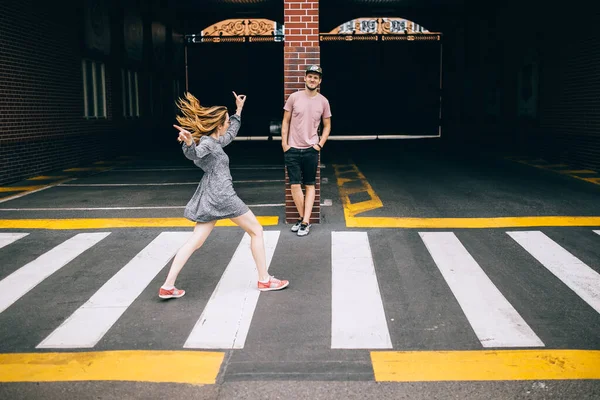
(314, 69)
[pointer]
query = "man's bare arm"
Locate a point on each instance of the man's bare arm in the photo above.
(326, 131)
(285, 129)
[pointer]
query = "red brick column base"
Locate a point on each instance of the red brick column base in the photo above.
(291, 212)
(301, 20)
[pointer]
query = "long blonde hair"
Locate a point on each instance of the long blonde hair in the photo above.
(197, 119)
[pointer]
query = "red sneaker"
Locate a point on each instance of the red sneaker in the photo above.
(170, 294)
(273, 284)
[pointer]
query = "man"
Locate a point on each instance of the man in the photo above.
(303, 113)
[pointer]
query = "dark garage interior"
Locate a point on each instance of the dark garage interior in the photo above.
(217, 69)
(513, 81)
(383, 87)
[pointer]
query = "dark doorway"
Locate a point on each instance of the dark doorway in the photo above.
(382, 87)
(253, 69)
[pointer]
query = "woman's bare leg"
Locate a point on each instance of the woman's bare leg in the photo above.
(250, 224)
(201, 232)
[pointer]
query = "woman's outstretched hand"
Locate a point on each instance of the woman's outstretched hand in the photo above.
(239, 101)
(184, 136)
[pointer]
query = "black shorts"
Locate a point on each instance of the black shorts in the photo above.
(301, 165)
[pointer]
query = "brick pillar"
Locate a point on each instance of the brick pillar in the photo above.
(301, 20)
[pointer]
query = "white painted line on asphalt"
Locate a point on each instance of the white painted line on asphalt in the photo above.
(8, 238)
(357, 316)
(598, 232)
(162, 184)
(494, 320)
(256, 168)
(88, 324)
(226, 319)
(244, 138)
(17, 284)
(16, 196)
(122, 208)
(374, 137)
(579, 277)
(387, 137)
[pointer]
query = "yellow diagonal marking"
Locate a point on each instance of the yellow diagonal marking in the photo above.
(343, 181)
(103, 223)
(193, 367)
(87, 169)
(44, 178)
(592, 180)
(352, 209)
(578, 171)
(550, 165)
(483, 365)
(19, 188)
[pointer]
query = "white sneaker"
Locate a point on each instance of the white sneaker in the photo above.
(303, 230)
(296, 226)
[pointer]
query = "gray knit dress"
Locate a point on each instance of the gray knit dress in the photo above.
(214, 198)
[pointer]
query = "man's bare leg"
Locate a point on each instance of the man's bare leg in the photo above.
(298, 197)
(308, 202)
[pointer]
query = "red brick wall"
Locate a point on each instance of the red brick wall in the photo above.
(41, 103)
(301, 19)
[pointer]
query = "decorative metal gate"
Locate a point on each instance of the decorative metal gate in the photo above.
(244, 55)
(378, 86)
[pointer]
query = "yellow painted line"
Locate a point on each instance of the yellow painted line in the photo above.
(457, 223)
(193, 367)
(578, 171)
(571, 173)
(551, 166)
(87, 169)
(19, 188)
(592, 180)
(104, 223)
(359, 181)
(45, 178)
(419, 366)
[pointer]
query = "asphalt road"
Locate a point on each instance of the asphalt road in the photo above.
(430, 283)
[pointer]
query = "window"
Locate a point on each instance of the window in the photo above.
(94, 89)
(130, 93)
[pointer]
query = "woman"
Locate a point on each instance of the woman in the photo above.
(204, 132)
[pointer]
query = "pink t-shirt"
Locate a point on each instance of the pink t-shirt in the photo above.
(306, 116)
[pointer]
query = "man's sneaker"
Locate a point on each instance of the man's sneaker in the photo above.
(304, 229)
(296, 226)
(170, 294)
(273, 284)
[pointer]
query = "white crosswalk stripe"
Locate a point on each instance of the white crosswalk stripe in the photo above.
(8, 238)
(358, 306)
(579, 277)
(86, 326)
(226, 319)
(494, 320)
(357, 316)
(17, 284)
